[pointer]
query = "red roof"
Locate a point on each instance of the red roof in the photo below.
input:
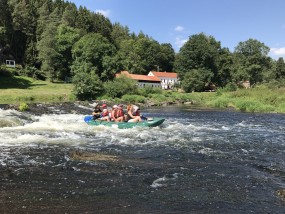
(139, 77)
(164, 74)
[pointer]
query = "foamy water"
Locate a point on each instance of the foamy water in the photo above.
(217, 162)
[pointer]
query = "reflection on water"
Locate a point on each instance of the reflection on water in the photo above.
(198, 161)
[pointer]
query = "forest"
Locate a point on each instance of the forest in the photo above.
(56, 41)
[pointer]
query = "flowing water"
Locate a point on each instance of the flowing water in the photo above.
(197, 161)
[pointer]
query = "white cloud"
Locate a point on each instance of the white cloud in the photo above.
(179, 28)
(277, 51)
(180, 42)
(105, 13)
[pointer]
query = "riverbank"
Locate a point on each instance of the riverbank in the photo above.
(262, 98)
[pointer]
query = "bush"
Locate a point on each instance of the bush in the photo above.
(23, 107)
(87, 85)
(119, 87)
(35, 73)
(5, 72)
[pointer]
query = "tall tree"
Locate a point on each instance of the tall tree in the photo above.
(65, 38)
(101, 25)
(6, 29)
(199, 54)
(252, 56)
(47, 47)
(69, 15)
(84, 19)
(140, 55)
(166, 57)
(89, 54)
(44, 12)
(119, 34)
(280, 68)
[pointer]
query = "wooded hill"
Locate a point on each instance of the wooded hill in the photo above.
(55, 40)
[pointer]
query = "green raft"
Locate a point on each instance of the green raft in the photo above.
(124, 125)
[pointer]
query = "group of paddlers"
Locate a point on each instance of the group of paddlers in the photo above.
(116, 113)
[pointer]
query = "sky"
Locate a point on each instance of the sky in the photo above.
(174, 21)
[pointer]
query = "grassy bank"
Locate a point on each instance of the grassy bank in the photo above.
(258, 99)
(14, 90)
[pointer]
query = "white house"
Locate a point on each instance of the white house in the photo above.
(168, 79)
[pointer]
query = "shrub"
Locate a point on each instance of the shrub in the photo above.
(87, 85)
(119, 87)
(23, 107)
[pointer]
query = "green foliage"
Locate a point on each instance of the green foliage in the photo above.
(280, 68)
(90, 51)
(31, 71)
(252, 60)
(220, 102)
(199, 52)
(159, 98)
(54, 40)
(195, 80)
(65, 38)
(4, 71)
(119, 87)
(253, 106)
(230, 87)
(23, 107)
(128, 98)
(147, 91)
(87, 86)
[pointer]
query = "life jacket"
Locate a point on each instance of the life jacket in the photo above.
(105, 113)
(120, 113)
(137, 113)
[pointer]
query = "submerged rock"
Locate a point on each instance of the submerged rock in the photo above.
(281, 194)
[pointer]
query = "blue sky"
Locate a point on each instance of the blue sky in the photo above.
(173, 21)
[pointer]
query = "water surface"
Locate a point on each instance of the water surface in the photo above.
(198, 161)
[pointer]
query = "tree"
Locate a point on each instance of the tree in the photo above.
(84, 19)
(101, 25)
(140, 55)
(65, 38)
(252, 56)
(91, 50)
(280, 68)
(196, 80)
(87, 85)
(69, 15)
(200, 54)
(119, 34)
(43, 13)
(120, 86)
(6, 29)
(47, 47)
(226, 68)
(166, 57)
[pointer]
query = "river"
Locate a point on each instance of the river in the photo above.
(197, 161)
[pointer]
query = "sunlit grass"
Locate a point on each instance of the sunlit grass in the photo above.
(14, 90)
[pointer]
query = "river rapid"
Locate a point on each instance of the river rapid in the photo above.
(197, 161)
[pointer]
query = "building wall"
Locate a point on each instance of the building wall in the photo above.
(148, 84)
(167, 83)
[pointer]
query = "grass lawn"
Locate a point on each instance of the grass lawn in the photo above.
(14, 90)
